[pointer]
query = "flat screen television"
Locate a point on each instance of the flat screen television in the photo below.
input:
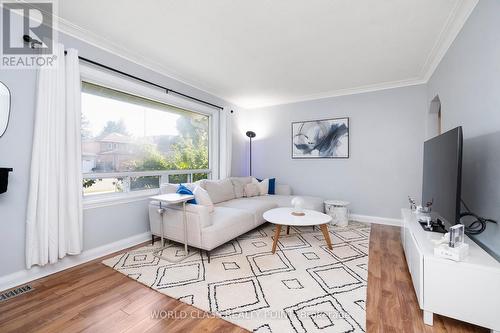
(442, 179)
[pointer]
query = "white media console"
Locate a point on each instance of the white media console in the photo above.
(468, 290)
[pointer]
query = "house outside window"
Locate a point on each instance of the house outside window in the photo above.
(133, 144)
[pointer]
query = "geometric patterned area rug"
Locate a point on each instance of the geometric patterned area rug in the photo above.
(304, 287)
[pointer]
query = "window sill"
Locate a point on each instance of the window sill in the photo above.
(103, 200)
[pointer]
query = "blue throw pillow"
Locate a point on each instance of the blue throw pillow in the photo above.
(184, 190)
(272, 185)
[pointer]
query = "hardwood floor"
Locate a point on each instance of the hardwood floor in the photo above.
(391, 304)
(95, 298)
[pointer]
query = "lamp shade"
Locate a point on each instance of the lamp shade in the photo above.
(250, 134)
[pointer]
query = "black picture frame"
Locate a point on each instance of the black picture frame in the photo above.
(345, 119)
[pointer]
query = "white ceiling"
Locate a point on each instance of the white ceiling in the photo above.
(260, 52)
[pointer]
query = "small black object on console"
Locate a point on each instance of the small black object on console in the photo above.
(434, 226)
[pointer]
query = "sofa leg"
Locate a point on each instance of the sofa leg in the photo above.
(152, 239)
(288, 230)
(208, 255)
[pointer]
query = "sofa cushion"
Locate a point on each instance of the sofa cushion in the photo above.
(239, 188)
(251, 190)
(202, 198)
(266, 186)
(256, 207)
(243, 180)
(314, 203)
(219, 190)
(263, 185)
(227, 224)
(239, 184)
(283, 189)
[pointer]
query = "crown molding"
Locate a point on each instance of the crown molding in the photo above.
(115, 49)
(341, 92)
(454, 23)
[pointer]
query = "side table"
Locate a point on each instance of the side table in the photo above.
(173, 199)
(337, 209)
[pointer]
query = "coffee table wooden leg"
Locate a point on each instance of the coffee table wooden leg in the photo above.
(324, 229)
(276, 236)
(288, 230)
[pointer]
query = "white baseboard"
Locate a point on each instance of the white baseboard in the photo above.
(37, 272)
(375, 219)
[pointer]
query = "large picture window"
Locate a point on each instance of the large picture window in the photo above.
(131, 143)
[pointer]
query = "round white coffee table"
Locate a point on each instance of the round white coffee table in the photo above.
(283, 216)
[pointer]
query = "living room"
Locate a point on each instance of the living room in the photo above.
(250, 166)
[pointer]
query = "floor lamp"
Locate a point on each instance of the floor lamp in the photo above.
(251, 135)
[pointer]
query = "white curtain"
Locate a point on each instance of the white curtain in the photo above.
(226, 139)
(54, 213)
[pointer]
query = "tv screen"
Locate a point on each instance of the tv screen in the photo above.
(443, 176)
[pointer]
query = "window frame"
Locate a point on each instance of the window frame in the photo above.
(91, 74)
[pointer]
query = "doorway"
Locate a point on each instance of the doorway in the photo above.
(434, 126)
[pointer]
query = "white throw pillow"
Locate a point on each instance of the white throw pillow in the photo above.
(220, 190)
(239, 188)
(263, 185)
(251, 190)
(202, 198)
(200, 183)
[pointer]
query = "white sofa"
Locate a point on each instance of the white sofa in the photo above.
(231, 217)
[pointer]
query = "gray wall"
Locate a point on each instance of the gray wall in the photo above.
(386, 135)
(468, 84)
(467, 80)
(101, 225)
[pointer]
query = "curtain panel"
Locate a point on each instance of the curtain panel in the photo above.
(54, 212)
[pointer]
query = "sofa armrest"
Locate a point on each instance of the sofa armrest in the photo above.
(282, 189)
(200, 210)
(197, 216)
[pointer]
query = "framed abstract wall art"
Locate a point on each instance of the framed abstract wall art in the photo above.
(326, 138)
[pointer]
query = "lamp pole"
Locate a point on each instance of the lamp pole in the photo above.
(251, 135)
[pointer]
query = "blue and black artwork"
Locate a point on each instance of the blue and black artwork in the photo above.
(327, 138)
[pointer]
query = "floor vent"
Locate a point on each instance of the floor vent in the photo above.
(15, 292)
